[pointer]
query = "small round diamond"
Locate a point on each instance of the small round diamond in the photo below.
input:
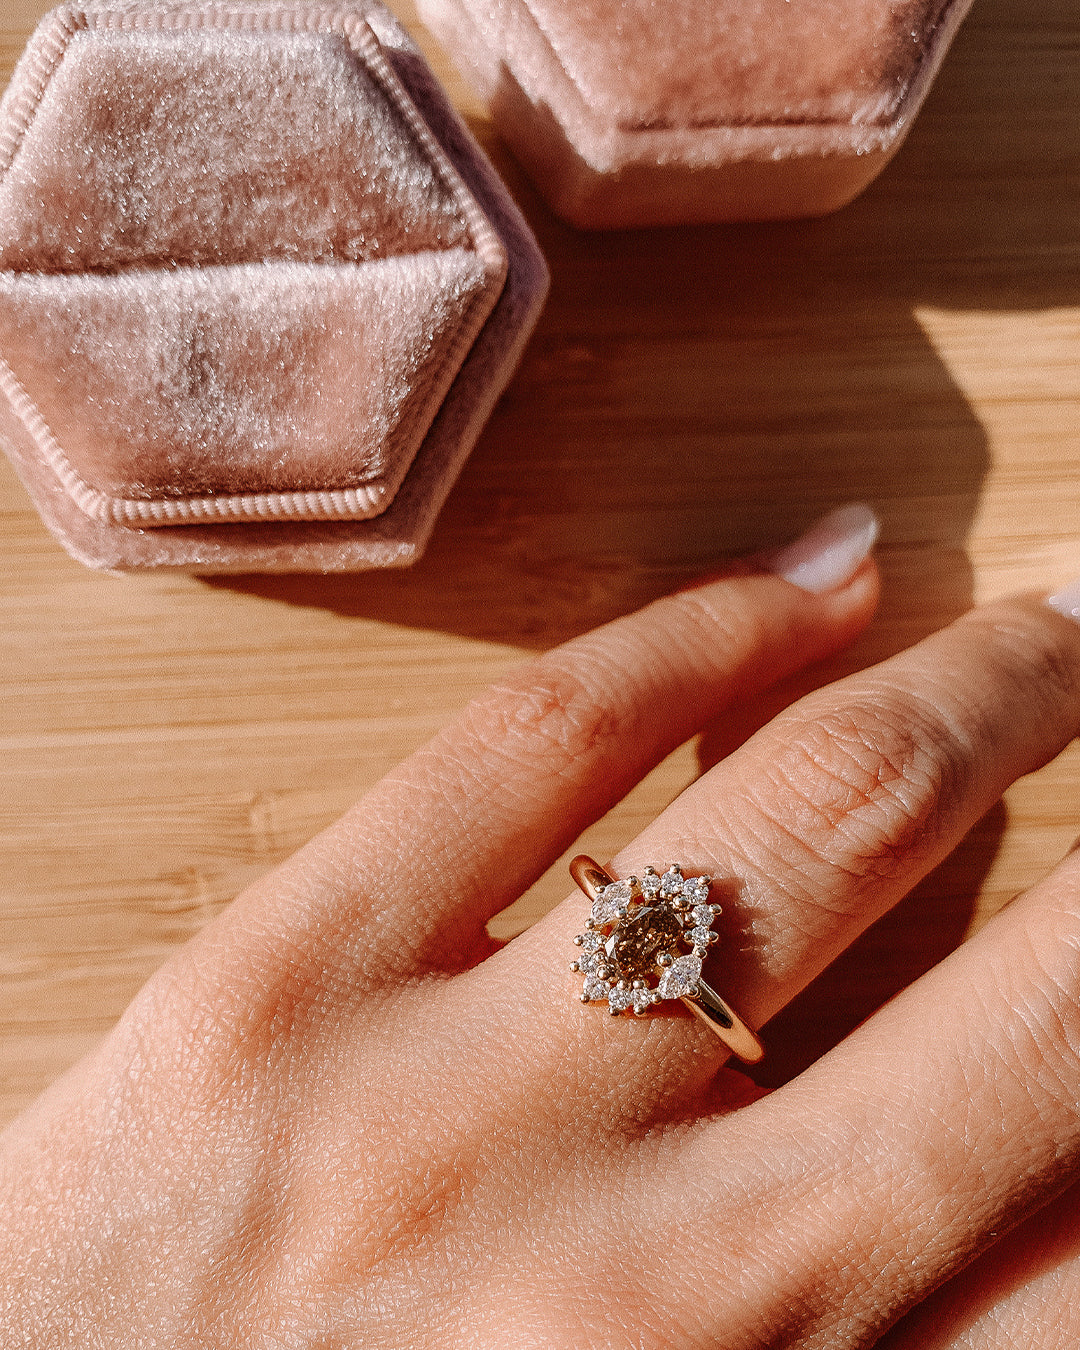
(671, 882)
(701, 937)
(703, 915)
(642, 999)
(650, 882)
(595, 988)
(620, 999)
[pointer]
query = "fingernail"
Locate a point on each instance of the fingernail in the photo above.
(831, 551)
(1067, 601)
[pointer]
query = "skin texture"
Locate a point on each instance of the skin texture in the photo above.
(339, 1117)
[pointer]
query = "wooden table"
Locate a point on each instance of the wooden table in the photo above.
(689, 394)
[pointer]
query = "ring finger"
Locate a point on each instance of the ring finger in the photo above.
(823, 820)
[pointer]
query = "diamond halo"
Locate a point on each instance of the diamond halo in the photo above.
(645, 940)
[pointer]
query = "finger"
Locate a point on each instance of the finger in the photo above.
(1024, 1291)
(826, 818)
(409, 877)
(832, 813)
(937, 1126)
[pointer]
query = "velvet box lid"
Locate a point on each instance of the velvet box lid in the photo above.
(648, 112)
(259, 289)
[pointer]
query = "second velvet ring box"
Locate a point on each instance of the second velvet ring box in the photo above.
(659, 112)
(259, 289)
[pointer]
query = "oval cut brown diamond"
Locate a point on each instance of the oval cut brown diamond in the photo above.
(640, 938)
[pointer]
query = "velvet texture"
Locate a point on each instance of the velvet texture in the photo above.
(634, 112)
(252, 270)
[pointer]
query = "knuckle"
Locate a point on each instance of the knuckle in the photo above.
(1028, 655)
(863, 784)
(551, 713)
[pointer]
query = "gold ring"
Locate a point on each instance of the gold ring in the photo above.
(634, 948)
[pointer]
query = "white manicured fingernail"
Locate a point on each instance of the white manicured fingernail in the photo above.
(1067, 601)
(831, 551)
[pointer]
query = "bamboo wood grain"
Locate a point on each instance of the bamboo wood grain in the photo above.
(688, 395)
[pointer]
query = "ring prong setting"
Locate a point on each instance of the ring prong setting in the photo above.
(652, 932)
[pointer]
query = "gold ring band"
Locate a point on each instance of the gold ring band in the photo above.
(632, 938)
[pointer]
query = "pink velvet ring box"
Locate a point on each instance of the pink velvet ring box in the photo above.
(259, 289)
(657, 112)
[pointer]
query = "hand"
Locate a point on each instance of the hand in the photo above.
(339, 1117)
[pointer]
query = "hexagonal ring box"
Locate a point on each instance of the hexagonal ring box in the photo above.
(659, 112)
(259, 289)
